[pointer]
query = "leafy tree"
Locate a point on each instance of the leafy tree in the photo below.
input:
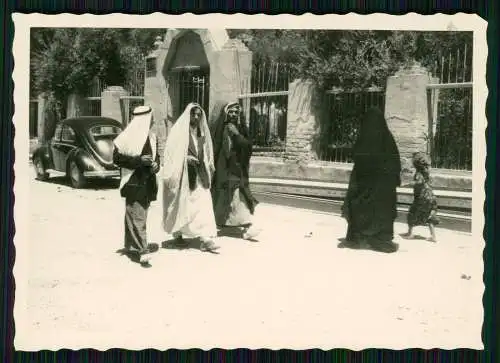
(333, 58)
(351, 59)
(67, 60)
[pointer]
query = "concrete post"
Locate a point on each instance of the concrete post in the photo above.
(75, 106)
(301, 122)
(406, 111)
(110, 103)
(230, 72)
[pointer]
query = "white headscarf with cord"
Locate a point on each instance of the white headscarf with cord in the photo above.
(131, 141)
(174, 174)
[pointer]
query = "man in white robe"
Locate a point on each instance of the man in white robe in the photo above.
(187, 174)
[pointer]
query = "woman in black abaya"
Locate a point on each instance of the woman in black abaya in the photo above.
(370, 203)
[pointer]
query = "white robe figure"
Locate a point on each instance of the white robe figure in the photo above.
(188, 213)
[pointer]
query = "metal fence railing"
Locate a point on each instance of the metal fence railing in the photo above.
(267, 120)
(341, 118)
(92, 99)
(92, 106)
(265, 106)
(450, 111)
(450, 125)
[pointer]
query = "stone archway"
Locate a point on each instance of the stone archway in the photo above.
(206, 60)
(187, 67)
(187, 72)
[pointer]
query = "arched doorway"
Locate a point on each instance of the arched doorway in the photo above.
(188, 73)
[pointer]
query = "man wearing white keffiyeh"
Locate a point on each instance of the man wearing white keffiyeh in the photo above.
(187, 176)
(136, 154)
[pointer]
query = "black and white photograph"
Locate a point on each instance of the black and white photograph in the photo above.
(235, 181)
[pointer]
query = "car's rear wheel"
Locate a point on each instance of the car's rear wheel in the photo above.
(76, 176)
(41, 173)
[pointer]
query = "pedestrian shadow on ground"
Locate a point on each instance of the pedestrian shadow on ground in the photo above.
(186, 244)
(389, 247)
(134, 257)
(234, 232)
(344, 243)
(415, 236)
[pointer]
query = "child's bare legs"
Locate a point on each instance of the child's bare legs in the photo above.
(433, 233)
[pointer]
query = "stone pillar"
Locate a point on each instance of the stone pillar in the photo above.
(111, 105)
(155, 93)
(230, 72)
(75, 106)
(302, 125)
(406, 111)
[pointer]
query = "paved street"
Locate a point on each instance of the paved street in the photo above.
(294, 288)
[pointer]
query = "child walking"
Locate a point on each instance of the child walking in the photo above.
(423, 211)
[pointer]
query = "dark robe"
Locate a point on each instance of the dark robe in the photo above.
(140, 190)
(370, 203)
(195, 170)
(232, 169)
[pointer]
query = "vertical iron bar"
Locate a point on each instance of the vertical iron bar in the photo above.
(449, 67)
(465, 63)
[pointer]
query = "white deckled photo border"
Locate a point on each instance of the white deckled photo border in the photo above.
(21, 52)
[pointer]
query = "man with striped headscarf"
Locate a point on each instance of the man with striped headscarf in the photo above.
(136, 154)
(234, 204)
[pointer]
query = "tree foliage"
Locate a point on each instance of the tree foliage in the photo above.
(350, 59)
(67, 60)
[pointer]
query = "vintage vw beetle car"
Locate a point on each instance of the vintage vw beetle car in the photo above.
(81, 149)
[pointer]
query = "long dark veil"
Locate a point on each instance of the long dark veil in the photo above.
(376, 147)
(217, 124)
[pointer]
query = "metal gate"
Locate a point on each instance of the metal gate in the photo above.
(190, 85)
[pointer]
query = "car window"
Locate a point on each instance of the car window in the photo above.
(68, 134)
(58, 132)
(100, 132)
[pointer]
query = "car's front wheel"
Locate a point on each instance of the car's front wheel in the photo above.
(41, 173)
(76, 176)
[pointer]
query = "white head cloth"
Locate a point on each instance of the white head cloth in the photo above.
(131, 141)
(175, 181)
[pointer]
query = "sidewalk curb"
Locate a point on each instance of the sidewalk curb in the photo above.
(446, 198)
